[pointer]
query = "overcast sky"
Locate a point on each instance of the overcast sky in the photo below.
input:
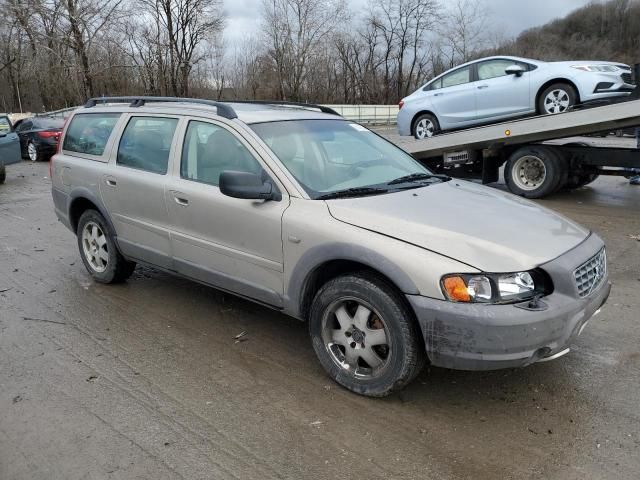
(511, 16)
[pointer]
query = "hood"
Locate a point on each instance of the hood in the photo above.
(485, 228)
(589, 62)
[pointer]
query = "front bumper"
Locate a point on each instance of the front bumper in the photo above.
(488, 337)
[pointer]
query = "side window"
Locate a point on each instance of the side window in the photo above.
(5, 125)
(24, 126)
(495, 68)
(146, 142)
(89, 132)
(437, 85)
(459, 77)
(209, 150)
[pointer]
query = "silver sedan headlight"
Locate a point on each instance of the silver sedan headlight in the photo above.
(597, 68)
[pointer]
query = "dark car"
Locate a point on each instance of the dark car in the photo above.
(39, 137)
(9, 145)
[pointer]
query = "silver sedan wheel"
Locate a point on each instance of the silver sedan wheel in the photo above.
(94, 245)
(32, 151)
(557, 101)
(356, 337)
(529, 172)
(425, 128)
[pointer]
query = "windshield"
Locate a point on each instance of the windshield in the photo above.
(328, 156)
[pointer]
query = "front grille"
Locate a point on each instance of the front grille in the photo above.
(591, 273)
(627, 78)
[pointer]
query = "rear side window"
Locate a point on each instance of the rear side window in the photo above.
(89, 132)
(146, 143)
(209, 150)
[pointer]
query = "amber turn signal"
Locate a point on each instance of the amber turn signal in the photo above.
(456, 289)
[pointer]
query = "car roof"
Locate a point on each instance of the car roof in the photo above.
(247, 112)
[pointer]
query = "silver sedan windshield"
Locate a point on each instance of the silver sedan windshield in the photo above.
(327, 156)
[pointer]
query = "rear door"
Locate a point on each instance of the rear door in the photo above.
(133, 187)
(454, 98)
(9, 143)
(500, 95)
(232, 243)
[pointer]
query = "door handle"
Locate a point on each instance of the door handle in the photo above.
(180, 198)
(437, 94)
(480, 87)
(111, 182)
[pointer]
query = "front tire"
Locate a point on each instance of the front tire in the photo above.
(365, 335)
(98, 250)
(425, 126)
(556, 98)
(3, 174)
(535, 171)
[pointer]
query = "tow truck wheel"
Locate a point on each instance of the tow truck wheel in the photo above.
(535, 171)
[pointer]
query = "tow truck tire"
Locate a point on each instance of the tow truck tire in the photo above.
(581, 180)
(535, 171)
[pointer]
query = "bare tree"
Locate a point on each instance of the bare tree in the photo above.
(294, 31)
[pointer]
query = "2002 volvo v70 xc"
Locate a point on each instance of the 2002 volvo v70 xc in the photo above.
(299, 209)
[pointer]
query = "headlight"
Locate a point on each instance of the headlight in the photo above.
(596, 68)
(495, 287)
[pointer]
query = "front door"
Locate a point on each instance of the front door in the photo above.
(133, 188)
(500, 95)
(231, 243)
(9, 143)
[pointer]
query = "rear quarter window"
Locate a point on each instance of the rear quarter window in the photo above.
(89, 133)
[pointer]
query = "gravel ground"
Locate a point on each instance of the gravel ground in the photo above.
(146, 379)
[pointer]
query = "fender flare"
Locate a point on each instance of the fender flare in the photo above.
(322, 254)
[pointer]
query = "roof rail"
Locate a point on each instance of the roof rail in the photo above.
(224, 110)
(322, 108)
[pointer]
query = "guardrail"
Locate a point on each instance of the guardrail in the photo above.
(369, 114)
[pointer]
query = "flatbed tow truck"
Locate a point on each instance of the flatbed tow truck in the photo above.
(532, 168)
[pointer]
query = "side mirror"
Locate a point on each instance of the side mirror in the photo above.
(516, 70)
(247, 185)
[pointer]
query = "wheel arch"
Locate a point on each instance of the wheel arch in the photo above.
(326, 262)
(548, 83)
(81, 200)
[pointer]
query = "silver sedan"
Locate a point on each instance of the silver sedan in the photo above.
(498, 88)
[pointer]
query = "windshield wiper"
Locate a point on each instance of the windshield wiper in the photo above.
(415, 177)
(352, 192)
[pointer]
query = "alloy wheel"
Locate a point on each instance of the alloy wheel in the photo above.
(32, 151)
(557, 101)
(94, 245)
(356, 337)
(425, 128)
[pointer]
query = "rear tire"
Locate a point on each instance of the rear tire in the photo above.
(3, 174)
(557, 98)
(583, 180)
(425, 126)
(98, 250)
(535, 171)
(33, 153)
(365, 335)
